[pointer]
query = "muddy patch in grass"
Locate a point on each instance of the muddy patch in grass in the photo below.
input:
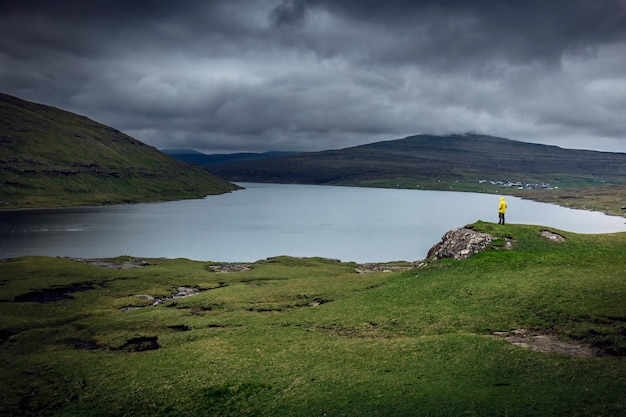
(179, 328)
(317, 302)
(84, 344)
(548, 343)
(311, 301)
(54, 294)
(216, 326)
(141, 344)
(135, 344)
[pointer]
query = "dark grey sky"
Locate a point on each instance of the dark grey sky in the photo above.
(258, 75)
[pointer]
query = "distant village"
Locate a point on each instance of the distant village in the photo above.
(520, 185)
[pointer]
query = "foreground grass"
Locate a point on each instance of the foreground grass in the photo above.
(312, 336)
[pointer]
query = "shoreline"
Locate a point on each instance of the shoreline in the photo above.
(575, 198)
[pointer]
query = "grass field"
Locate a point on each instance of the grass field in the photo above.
(295, 337)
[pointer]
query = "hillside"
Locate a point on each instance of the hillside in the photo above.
(208, 161)
(574, 178)
(50, 157)
(415, 160)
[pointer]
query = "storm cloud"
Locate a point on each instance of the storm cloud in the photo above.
(299, 75)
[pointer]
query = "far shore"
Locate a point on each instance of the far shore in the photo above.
(607, 199)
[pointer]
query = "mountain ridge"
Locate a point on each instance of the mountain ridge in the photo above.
(466, 157)
(50, 157)
(209, 160)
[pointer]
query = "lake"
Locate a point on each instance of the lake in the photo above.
(265, 220)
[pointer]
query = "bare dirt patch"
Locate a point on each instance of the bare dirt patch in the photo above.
(547, 343)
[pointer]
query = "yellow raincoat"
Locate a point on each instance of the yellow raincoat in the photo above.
(502, 206)
(501, 210)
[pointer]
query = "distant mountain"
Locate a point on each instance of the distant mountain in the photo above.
(210, 160)
(51, 157)
(423, 159)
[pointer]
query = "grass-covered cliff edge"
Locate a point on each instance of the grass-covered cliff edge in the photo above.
(295, 337)
(50, 158)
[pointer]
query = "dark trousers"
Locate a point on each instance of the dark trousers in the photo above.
(500, 218)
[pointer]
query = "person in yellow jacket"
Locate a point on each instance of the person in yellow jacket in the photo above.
(501, 210)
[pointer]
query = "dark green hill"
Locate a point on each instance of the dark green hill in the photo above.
(208, 161)
(50, 157)
(423, 159)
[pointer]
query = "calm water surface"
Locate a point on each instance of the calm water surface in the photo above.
(264, 220)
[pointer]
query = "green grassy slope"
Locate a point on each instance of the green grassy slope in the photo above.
(50, 157)
(295, 337)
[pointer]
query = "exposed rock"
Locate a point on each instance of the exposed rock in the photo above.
(185, 292)
(229, 267)
(383, 267)
(114, 263)
(181, 292)
(554, 237)
(460, 244)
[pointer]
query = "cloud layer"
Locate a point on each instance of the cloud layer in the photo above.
(257, 75)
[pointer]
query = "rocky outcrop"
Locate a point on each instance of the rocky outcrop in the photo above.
(551, 236)
(460, 244)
